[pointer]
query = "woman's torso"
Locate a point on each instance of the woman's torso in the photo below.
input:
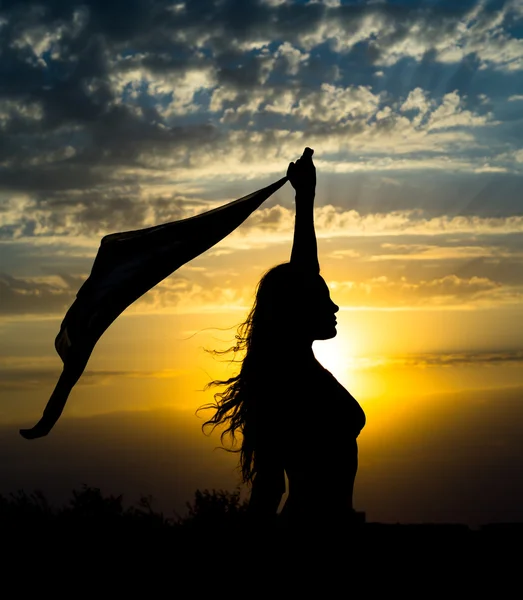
(307, 420)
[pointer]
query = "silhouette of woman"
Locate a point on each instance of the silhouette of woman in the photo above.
(294, 417)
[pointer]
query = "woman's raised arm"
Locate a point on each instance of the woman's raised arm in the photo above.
(302, 175)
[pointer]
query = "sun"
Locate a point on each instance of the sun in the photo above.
(336, 355)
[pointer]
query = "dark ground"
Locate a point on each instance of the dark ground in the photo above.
(96, 546)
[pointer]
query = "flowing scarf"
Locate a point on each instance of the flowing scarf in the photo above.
(127, 265)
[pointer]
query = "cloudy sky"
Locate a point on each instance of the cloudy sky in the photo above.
(124, 114)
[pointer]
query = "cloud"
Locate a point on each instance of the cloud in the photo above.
(28, 377)
(337, 104)
(53, 294)
(121, 96)
(343, 254)
(124, 115)
(464, 359)
(94, 212)
(276, 224)
(417, 100)
(195, 292)
(380, 237)
(449, 291)
(393, 33)
(433, 252)
(29, 296)
(180, 295)
(12, 112)
(422, 360)
(450, 114)
(173, 92)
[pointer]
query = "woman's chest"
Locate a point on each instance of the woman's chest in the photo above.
(317, 398)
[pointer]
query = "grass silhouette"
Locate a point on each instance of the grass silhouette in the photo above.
(95, 538)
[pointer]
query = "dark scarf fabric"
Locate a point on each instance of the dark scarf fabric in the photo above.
(127, 265)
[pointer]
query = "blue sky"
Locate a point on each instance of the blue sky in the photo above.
(123, 115)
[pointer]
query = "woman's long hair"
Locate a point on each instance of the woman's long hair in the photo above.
(237, 407)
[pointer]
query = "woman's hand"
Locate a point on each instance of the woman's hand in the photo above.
(302, 173)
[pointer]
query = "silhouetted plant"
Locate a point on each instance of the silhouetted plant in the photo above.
(90, 504)
(216, 508)
(89, 508)
(21, 509)
(147, 516)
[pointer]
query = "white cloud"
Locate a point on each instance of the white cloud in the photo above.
(41, 40)
(433, 252)
(130, 76)
(183, 296)
(283, 104)
(11, 109)
(38, 39)
(337, 104)
(183, 90)
(480, 31)
(488, 168)
(274, 2)
(353, 120)
(345, 38)
(449, 291)
(220, 96)
(53, 156)
(451, 114)
(419, 101)
(275, 225)
(292, 56)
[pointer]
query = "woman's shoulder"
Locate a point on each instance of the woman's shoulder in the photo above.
(309, 379)
(334, 385)
(287, 377)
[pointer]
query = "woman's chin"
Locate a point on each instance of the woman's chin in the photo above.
(327, 335)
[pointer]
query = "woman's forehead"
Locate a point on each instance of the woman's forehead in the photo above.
(317, 284)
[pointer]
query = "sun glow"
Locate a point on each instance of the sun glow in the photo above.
(336, 355)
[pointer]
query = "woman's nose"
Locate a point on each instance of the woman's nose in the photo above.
(335, 307)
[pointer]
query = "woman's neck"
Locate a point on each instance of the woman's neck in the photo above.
(299, 351)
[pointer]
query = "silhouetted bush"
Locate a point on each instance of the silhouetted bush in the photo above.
(107, 523)
(216, 508)
(89, 510)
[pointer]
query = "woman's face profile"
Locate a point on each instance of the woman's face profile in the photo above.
(325, 315)
(300, 306)
(317, 313)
